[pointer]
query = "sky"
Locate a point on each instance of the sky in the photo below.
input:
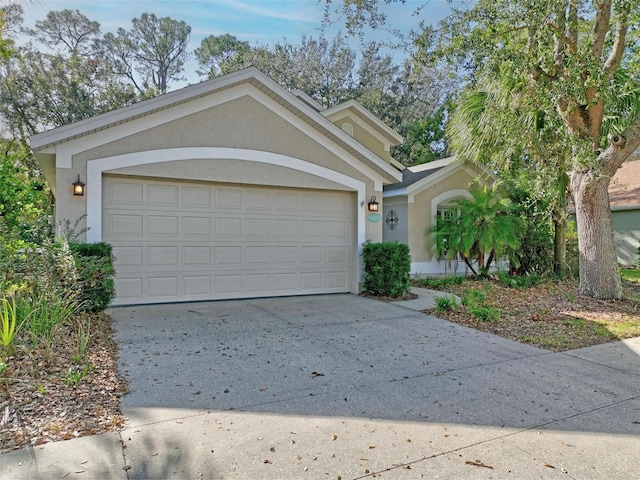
(263, 22)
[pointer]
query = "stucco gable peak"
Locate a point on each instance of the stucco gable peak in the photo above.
(394, 137)
(46, 141)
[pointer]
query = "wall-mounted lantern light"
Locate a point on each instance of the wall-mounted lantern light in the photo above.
(78, 187)
(373, 205)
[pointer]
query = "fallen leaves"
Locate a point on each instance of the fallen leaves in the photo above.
(550, 315)
(40, 405)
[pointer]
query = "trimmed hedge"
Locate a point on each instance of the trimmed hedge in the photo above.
(387, 268)
(94, 264)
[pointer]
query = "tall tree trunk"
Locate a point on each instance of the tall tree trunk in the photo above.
(599, 272)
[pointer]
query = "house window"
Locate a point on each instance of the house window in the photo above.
(445, 214)
(348, 129)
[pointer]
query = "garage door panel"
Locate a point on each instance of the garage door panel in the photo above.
(162, 225)
(126, 194)
(285, 229)
(128, 289)
(228, 199)
(225, 284)
(164, 286)
(258, 283)
(197, 286)
(258, 228)
(162, 195)
(194, 255)
(311, 280)
(164, 256)
(285, 255)
(126, 224)
(228, 255)
(336, 231)
(336, 279)
(199, 241)
(228, 227)
(196, 227)
(196, 197)
(258, 200)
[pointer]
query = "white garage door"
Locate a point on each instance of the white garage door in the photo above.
(178, 241)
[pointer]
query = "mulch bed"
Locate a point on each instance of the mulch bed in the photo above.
(50, 396)
(550, 315)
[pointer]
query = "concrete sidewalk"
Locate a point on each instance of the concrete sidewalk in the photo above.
(342, 386)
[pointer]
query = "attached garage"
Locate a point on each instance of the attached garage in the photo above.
(231, 188)
(196, 240)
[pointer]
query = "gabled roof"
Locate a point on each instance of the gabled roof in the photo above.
(392, 136)
(624, 189)
(414, 174)
(45, 141)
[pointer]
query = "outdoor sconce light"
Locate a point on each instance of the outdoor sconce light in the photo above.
(78, 187)
(373, 205)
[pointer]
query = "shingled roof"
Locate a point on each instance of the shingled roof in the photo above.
(624, 190)
(412, 175)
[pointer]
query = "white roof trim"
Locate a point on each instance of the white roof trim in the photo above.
(307, 99)
(391, 134)
(428, 181)
(186, 94)
(397, 164)
(443, 162)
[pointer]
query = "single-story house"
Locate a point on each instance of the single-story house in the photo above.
(230, 188)
(412, 206)
(624, 197)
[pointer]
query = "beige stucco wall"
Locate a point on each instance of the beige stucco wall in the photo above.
(362, 135)
(420, 220)
(242, 123)
(400, 233)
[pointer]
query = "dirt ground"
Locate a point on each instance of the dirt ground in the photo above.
(550, 315)
(58, 395)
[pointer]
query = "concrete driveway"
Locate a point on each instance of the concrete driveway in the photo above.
(342, 386)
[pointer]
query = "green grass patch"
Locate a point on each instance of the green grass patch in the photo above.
(620, 328)
(446, 304)
(551, 341)
(631, 275)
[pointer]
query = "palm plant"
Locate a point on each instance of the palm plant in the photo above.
(485, 229)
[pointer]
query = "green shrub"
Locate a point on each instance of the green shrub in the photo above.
(94, 263)
(387, 269)
(48, 269)
(446, 304)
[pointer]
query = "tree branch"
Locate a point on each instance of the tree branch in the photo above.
(617, 51)
(620, 148)
(600, 27)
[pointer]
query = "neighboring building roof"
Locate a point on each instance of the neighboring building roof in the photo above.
(416, 173)
(624, 189)
(45, 142)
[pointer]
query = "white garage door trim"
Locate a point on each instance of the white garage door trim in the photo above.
(95, 169)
